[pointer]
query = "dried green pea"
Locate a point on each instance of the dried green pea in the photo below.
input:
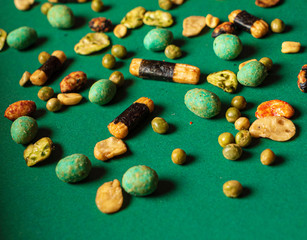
(92, 42)
(3, 35)
(45, 93)
(172, 51)
(226, 80)
(158, 18)
(45, 7)
(108, 61)
(53, 105)
(165, 4)
(38, 151)
(277, 26)
(134, 18)
(97, 5)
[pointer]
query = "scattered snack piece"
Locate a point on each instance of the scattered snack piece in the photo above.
(24, 130)
(242, 123)
(108, 61)
(61, 16)
(276, 128)
(73, 168)
(193, 25)
(246, 62)
(140, 180)
(97, 5)
(243, 138)
(227, 46)
(23, 5)
(120, 31)
(277, 26)
(3, 35)
(118, 78)
(275, 108)
(69, 99)
(134, 18)
(37, 152)
(249, 23)
(226, 80)
(73, 82)
(239, 102)
(53, 64)
(67, 1)
(131, 117)
(53, 105)
(102, 92)
(158, 19)
(19, 109)
(119, 51)
(25, 78)
(45, 93)
(232, 189)
(267, 157)
(202, 102)
(109, 148)
(157, 39)
(290, 47)
(160, 70)
(165, 4)
(159, 125)
(267, 62)
(232, 151)
(252, 74)
(266, 3)
(226, 27)
(100, 24)
(22, 38)
(212, 21)
(109, 197)
(177, 2)
(179, 156)
(232, 114)
(172, 51)
(226, 138)
(43, 57)
(46, 7)
(302, 79)
(92, 42)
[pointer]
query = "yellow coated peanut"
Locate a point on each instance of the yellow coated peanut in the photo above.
(290, 47)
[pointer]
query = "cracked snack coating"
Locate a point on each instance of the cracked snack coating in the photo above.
(158, 18)
(131, 117)
(140, 180)
(19, 109)
(226, 80)
(134, 18)
(92, 42)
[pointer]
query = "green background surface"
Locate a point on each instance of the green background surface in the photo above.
(189, 202)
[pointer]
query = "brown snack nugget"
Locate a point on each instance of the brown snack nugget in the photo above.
(302, 79)
(226, 27)
(19, 109)
(266, 3)
(100, 24)
(73, 82)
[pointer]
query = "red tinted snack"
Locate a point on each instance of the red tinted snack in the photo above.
(19, 109)
(274, 108)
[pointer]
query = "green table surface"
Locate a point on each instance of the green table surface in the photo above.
(189, 202)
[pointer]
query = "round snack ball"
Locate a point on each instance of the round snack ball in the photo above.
(45, 93)
(118, 78)
(140, 180)
(225, 139)
(53, 105)
(108, 61)
(232, 114)
(97, 5)
(179, 156)
(232, 189)
(267, 62)
(43, 57)
(157, 39)
(61, 16)
(119, 51)
(242, 123)
(232, 151)
(73, 168)
(227, 46)
(102, 92)
(159, 125)
(277, 26)
(239, 102)
(24, 129)
(46, 7)
(202, 102)
(22, 38)
(267, 157)
(172, 51)
(243, 138)
(252, 74)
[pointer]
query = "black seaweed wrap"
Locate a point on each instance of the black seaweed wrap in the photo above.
(245, 20)
(52, 65)
(156, 70)
(133, 115)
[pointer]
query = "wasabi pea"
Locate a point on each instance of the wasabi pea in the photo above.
(203, 103)
(252, 74)
(157, 39)
(61, 16)
(22, 38)
(73, 168)
(3, 35)
(227, 46)
(158, 18)
(24, 129)
(92, 42)
(226, 80)
(102, 92)
(134, 18)
(172, 51)
(140, 180)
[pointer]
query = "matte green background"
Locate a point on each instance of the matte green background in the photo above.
(189, 202)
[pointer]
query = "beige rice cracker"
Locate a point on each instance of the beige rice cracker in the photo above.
(109, 148)
(193, 25)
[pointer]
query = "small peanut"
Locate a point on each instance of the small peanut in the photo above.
(244, 63)
(120, 31)
(23, 5)
(290, 47)
(69, 98)
(212, 21)
(25, 78)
